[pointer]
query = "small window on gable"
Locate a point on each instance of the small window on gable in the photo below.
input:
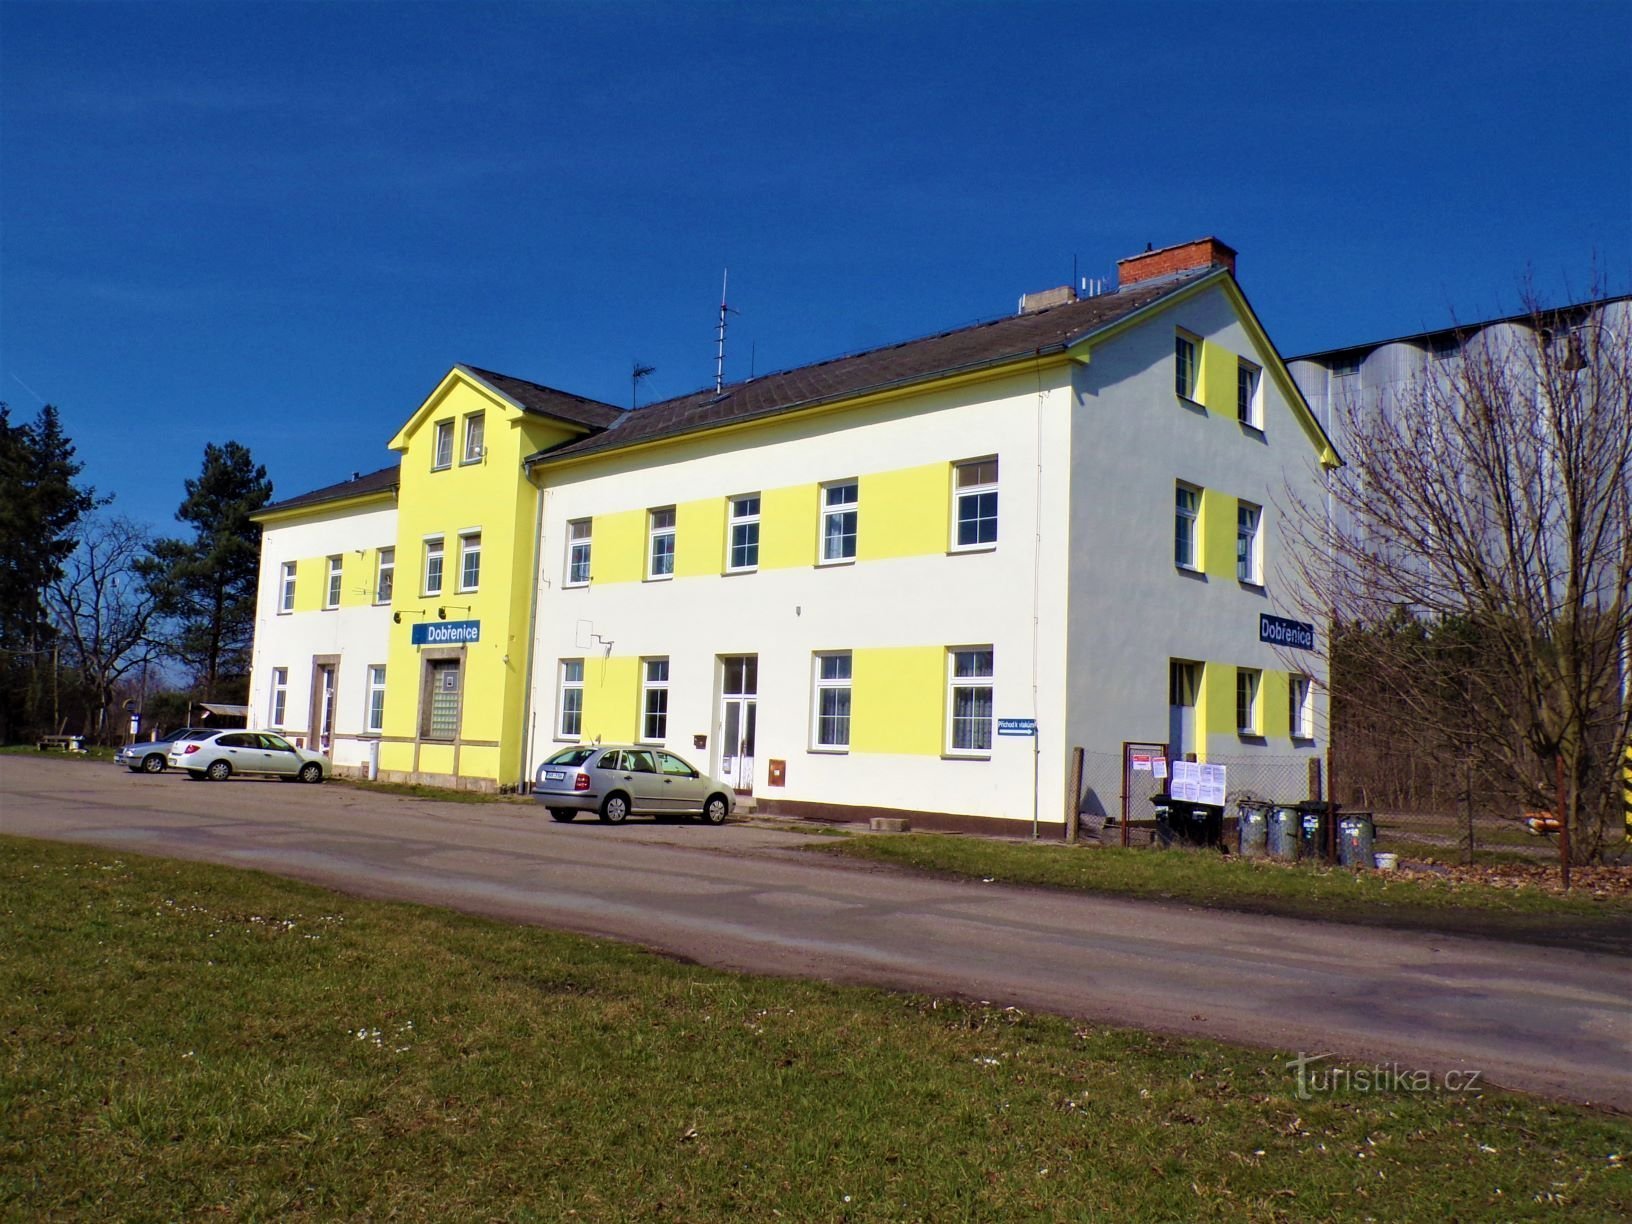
(475, 430)
(442, 446)
(1184, 366)
(1248, 402)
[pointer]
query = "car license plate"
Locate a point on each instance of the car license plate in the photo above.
(554, 775)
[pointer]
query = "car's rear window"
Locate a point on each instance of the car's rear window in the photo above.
(571, 756)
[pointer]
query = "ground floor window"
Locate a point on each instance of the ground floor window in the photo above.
(969, 704)
(1300, 711)
(439, 712)
(654, 700)
(376, 698)
(832, 715)
(1246, 700)
(571, 704)
(280, 695)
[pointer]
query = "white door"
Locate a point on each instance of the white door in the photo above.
(325, 708)
(739, 701)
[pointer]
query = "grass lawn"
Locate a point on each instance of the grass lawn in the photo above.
(184, 1039)
(1590, 916)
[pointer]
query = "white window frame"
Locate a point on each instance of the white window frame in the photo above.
(385, 575)
(654, 700)
(475, 433)
(823, 686)
(470, 549)
(974, 491)
(973, 682)
(286, 588)
(570, 681)
(1186, 526)
(580, 538)
(280, 696)
(1249, 412)
(841, 500)
(1186, 365)
(1249, 549)
(435, 550)
(1249, 687)
(1300, 694)
(374, 711)
(333, 583)
(659, 530)
(442, 445)
(739, 517)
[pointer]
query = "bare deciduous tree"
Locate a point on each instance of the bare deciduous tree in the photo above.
(1478, 562)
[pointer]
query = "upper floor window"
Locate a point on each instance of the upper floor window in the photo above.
(331, 592)
(1248, 567)
(1247, 408)
(1186, 511)
(654, 700)
(969, 701)
(286, 588)
(433, 566)
(578, 552)
(470, 560)
(974, 504)
(475, 427)
(743, 552)
(832, 714)
(385, 575)
(660, 543)
(839, 501)
(1246, 700)
(570, 724)
(1300, 707)
(1184, 366)
(442, 451)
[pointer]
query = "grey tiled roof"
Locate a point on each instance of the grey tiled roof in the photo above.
(967, 348)
(547, 401)
(357, 486)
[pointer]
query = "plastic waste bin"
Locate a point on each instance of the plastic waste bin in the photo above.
(1251, 828)
(1164, 820)
(1281, 833)
(1356, 838)
(1314, 824)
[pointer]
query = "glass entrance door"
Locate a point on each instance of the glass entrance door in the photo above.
(325, 707)
(739, 701)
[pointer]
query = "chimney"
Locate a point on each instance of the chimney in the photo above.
(1169, 261)
(1031, 303)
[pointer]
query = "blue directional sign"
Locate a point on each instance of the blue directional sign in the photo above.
(446, 633)
(1278, 631)
(1017, 726)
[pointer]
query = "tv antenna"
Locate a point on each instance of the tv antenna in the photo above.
(719, 335)
(637, 371)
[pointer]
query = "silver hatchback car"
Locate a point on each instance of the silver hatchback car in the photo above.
(616, 780)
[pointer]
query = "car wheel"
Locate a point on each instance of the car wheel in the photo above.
(615, 809)
(219, 771)
(715, 809)
(153, 762)
(311, 772)
(564, 815)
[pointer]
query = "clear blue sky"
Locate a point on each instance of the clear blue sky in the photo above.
(281, 224)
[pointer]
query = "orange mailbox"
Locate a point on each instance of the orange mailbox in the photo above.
(778, 773)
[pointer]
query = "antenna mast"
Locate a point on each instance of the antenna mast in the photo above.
(719, 336)
(637, 372)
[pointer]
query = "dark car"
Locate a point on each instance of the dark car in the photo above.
(148, 756)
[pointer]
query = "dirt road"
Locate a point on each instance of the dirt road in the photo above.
(742, 897)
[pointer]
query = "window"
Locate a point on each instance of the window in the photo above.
(470, 560)
(832, 700)
(376, 698)
(1247, 519)
(286, 593)
(1300, 707)
(1345, 367)
(654, 700)
(1246, 395)
(331, 593)
(744, 550)
(660, 543)
(1183, 682)
(280, 695)
(839, 521)
(439, 712)
(673, 766)
(1246, 700)
(969, 729)
(578, 552)
(385, 576)
(570, 724)
(475, 428)
(974, 498)
(1186, 510)
(443, 454)
(433, 566)
(1184, 366)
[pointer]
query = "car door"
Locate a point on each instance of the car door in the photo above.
(645, 783)
(683, 786)
(278, 756)
(239, 750)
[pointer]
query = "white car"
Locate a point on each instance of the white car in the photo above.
(220, 755)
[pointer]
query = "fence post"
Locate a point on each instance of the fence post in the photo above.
(1073, 800)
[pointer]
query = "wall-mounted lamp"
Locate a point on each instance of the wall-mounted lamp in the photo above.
(396, 617)
(442, 613)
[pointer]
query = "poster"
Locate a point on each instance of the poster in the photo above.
(1197, 782)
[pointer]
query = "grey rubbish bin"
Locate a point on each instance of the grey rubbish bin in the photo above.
(1356, 838)
(1281, 833)
(1251, 828)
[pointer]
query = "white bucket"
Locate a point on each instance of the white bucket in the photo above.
(1387, 862)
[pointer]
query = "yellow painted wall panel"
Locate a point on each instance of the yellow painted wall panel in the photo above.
(787, 527)
(904, 513)
(1217, 533)
(1215, 385)
(436, 758)
(618, 547)
(898, 700)
(699, 538)
(611, 699)
(311, 573)
(1274, 708)
(1215, 705)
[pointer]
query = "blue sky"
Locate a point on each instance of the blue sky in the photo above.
(281, 224)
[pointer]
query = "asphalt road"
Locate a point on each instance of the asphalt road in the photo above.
(1544, 1020)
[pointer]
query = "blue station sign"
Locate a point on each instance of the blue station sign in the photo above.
(1278, 631)
(1017, 726)
(446, 633)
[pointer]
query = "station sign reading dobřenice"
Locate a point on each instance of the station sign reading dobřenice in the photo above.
(1278, 631)
(446, 633)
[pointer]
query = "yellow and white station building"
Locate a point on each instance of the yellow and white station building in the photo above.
(842, 587)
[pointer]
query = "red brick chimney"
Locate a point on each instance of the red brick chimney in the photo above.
(1186, 257)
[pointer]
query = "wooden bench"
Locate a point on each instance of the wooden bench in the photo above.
(62, 743)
